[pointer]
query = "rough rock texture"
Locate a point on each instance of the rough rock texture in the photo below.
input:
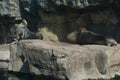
(9, 14)
(49, 4)
(61, 16)
(65, 16)
(9, 7)
(65, 61)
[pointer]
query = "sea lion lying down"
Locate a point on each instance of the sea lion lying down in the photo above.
(83, 36)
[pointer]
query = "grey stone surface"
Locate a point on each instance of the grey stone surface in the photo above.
(62, 60)
(9, 7)
(48, 4)
(61, 16)
(4, 55)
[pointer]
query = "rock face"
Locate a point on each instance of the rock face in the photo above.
(69, 15)
(9, 7)
(64, 61)
(4, 61)
(61, 16)
(9, 13)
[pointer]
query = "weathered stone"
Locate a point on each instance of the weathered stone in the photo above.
(4, 56)
(16, 64)
(4, 61)
(9, 7)
(61, 16)
(67, 61)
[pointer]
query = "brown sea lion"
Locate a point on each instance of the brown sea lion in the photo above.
(83, 36)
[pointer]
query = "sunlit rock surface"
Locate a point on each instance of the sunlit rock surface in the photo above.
(65, 61)
(9, 7)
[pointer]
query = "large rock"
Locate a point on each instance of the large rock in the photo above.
(65, 61)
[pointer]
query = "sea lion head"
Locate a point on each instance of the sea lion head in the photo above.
(82, 30)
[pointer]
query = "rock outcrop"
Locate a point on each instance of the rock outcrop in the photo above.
(55, 60)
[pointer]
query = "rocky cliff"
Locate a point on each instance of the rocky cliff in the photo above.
(61, 16)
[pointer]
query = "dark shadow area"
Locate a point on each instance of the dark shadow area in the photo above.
(32, 76)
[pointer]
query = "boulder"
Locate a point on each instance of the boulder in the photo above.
(65, 61)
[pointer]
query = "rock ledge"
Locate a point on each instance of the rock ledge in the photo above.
(65, 61)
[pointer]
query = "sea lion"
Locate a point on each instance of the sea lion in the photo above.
(83, 36)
